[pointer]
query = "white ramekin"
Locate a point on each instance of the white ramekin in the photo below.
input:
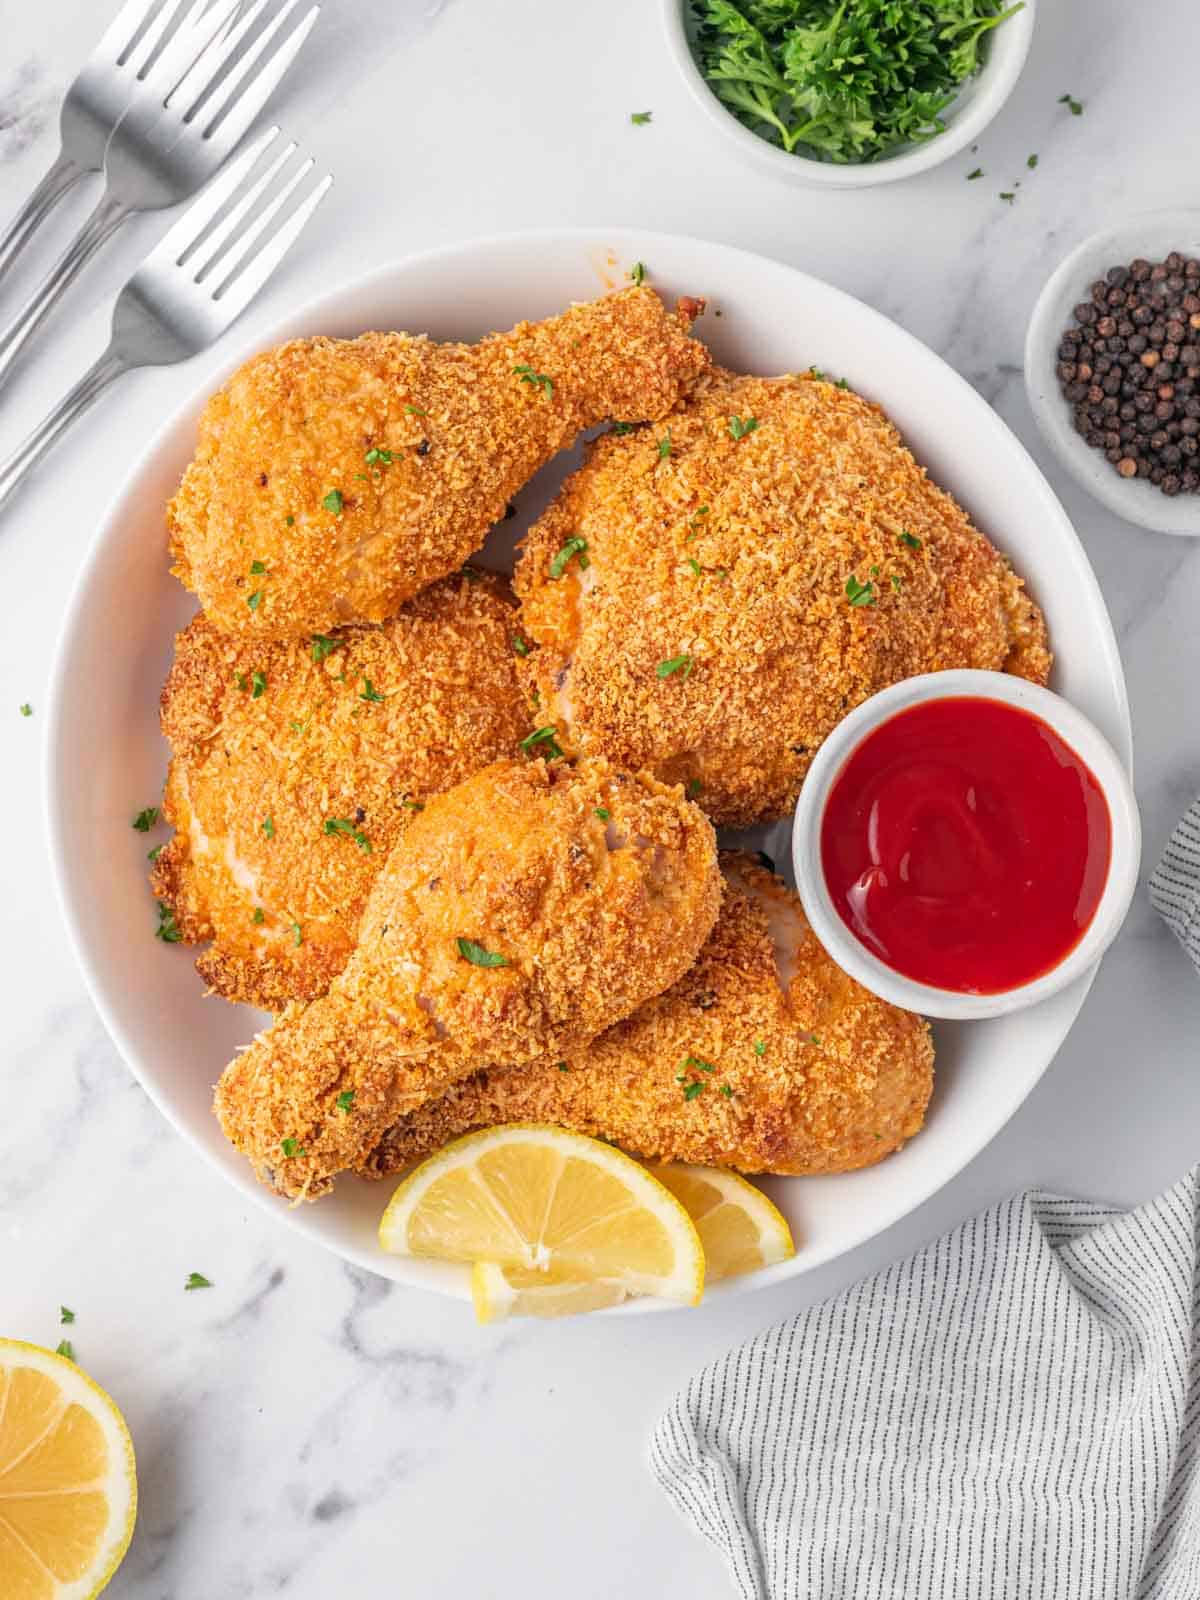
(1075, 729)
(978, 102)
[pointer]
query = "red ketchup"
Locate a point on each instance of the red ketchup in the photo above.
(966, 845)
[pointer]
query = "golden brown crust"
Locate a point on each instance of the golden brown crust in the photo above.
(307, 750)
(593, 915)
(460, 431)
(734, 555)
(822, 1077)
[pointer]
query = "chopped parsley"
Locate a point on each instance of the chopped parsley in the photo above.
(146, 819)
(413, 805)
(725, 1090)
(478, 956)
(297, 934)
(154, 853)
(258, 684)
(691, 1090)
(416, 411)
(26, 710)
(370, 692)
(333, 502)
(257, 568)
(197, 1280)
(65, 1314)
(622, 427)
(345, 826)
(739, 427)
(695, 565)
(254, 600)
(290, 521)
(268, 827)
(322, 646)
(563, 1067)
(1075, 105)
(546, 736)
(760, 1047)
(64, 1348)
(521, 646)
(637, 272)
(345, 1100)
(537, 379)
(1007, 194)
(978, 173)
(1031, 162)
(683, 663)
(292, 1147)
(860, 594)
(695, 1061)
(911, 540)
(693, 788)
(603, 813)
(259, 915)
(242, 681)
(375, 457)
(664, 446)
(573, 547)
(167, 930)
(640, 118)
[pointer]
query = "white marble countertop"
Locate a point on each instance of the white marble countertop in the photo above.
(301, 1426)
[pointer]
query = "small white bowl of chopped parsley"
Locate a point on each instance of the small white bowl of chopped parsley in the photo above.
(846, 94)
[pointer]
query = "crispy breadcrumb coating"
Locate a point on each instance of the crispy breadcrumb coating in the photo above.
(288, 788)
(712, 637)
(357, 471)
(800, 1069)
(520, 914)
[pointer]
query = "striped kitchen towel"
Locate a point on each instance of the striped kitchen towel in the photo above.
(1175, 882)
(1011, 1414)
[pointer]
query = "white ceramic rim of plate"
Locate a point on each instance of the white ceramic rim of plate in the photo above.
(1008, 48)
(1076, 730)
(1151, 235)
(643, 243)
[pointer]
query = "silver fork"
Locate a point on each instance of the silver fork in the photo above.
(101, 93)
(197, 280)
(169, 143)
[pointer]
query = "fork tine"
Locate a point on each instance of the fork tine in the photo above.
(224, 91)
(226, 131)
(241, 248)
(214, 241)
(138, 57)
(175, 244)
(206, 67)
(234, 295)
(198, 32)
(117, 39)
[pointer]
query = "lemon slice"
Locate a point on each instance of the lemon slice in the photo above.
(541, 1198)
(68, 1488)
(740, 1229)
(500, 1292)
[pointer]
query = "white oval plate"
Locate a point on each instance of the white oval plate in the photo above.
(106, 758)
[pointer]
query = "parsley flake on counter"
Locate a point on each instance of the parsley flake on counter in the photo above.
(739, 428)
(1031, 162)
(978, 173)
(268, 827)
(322, 646)
(65, 1314)
(344, 825)
(292, 1147)
(478, 956)
(1075, 105)
(1007, 194)
(167, 930)
(146, 819)
(345, 1100)
(683, 664)
(573, 547)
(911, 540)
(333, 502)
(26, 709)
(539, 379)
(197, 1280)
(637, 272)
(65, 1348)
(370, 692)
(640, 118)
(860, 594)
(546, 736)
(258, 684)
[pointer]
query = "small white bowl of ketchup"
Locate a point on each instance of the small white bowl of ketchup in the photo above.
(966, 844)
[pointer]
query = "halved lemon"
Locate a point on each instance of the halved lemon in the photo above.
(540, 1198)
(68, 1485)
(740, 1229)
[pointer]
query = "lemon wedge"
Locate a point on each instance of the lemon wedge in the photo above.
(539, 1198)
(68, 1487)
(500, 1292)
(740, 1229)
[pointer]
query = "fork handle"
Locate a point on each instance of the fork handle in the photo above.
(104, 221)
(93, 383)
(63, 175)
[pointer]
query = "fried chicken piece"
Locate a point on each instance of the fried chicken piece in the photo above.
(520, 914)
(754, 571)
(357, 471)
(296, 766)
(799, 1069)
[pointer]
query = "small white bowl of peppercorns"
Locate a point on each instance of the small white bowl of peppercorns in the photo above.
(1112, 368)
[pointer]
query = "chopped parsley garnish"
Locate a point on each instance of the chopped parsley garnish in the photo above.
(268, 827)
(760, 1047)
(322, 646)
(292, 1147)
(694, 523)
(1007, 194)
(290, 521)
(154, 853)
(258, 684)
(546, 736)
(413, 805)
(167, 930)
(978, 173)
(691, 1090)
(254, 600)
(375, 457)
(693, 788)
(344, 825)
(860, 594)
(725, 1090)
(333, 502)
(345, 1100)
(416, 411)
(370, 692)
(197, 1280)
(257, 568)
(637, 272)
(695, 1061)
(603, 813)
(65, 1348)
(1031, 162)
(259, 915)
(521, 646)
(537, 379)
(65, 1314)
(622, 427)
(664, 446)
(26, 709)
(683, 663)
(573, 547)
(911, 540)
(146, 819)
(471, 574)
(297, 934)
(242, 681)
(739, 427)
(695, 565)
(817, 375)
(640, 118)
(478, 956)
(896, 584)
(1075, 105)
(563, 1067)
